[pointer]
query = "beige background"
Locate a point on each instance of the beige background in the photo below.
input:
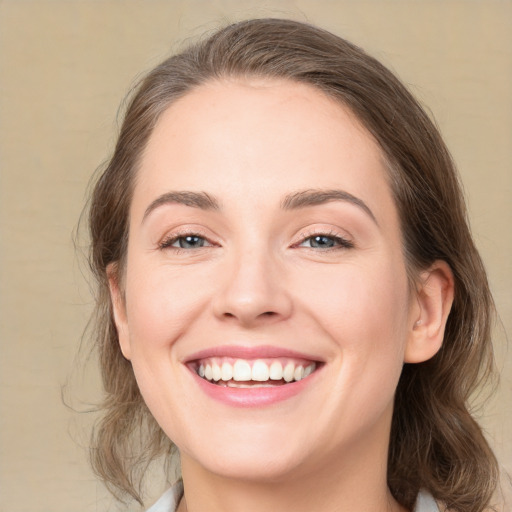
(64, 68)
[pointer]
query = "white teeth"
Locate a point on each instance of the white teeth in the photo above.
(276, 371)
(298, 374)
(227, 371)
(242, 371)
(232, 384)
(216, 373)
(260, 371)
(288, 372)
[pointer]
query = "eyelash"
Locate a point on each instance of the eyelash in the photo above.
(340, 242)
(167, 242)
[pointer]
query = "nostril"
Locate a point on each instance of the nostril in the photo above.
(265, 314)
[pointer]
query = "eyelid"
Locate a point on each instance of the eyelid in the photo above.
(168, 243)
(347, 241)
(182, 232)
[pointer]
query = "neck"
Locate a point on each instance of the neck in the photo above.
(356, 484)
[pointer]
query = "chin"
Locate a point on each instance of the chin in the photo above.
(261, 470)
(252, 460)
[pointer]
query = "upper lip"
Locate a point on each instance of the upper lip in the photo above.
(252, 352)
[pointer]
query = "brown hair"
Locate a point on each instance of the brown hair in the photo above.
(435, 442)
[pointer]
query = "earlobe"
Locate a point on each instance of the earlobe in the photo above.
(118, 309)
(434, 300)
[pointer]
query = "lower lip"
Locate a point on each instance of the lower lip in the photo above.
(254, 397)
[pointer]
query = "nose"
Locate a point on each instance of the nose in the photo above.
(254, 291)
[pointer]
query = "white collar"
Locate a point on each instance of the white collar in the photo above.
(169, 501)
(425, 503)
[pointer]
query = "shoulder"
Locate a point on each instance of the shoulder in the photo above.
(169, 501)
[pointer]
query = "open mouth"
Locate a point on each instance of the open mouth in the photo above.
(253, 373)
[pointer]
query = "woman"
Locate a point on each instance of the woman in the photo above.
(288, 289)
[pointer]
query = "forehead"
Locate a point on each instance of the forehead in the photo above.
(237, 137)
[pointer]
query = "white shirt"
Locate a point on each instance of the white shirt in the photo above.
(169, 501)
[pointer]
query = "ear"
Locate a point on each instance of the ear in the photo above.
(119, 309)
(434, 296)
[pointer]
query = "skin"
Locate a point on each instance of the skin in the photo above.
(258, 280)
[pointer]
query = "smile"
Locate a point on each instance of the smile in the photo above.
(260, 376)
(244, 373)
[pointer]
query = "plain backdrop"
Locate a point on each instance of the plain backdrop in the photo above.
(65, 66)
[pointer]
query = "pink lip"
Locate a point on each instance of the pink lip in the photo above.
(251, 397)
(258, 352)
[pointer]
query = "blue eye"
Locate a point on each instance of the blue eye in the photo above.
(190, 242)
(185, 242)
(326, 242)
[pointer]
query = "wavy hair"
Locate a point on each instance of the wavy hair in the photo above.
(435, 442)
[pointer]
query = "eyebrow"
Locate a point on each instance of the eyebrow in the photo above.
(295, 201)
(200, 200)
(314, 197)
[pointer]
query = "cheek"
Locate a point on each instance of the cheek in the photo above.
(359, 298)
(161, 307)
(364, 311)
(161, 304)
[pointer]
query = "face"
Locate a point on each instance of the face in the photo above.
(265, 305)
